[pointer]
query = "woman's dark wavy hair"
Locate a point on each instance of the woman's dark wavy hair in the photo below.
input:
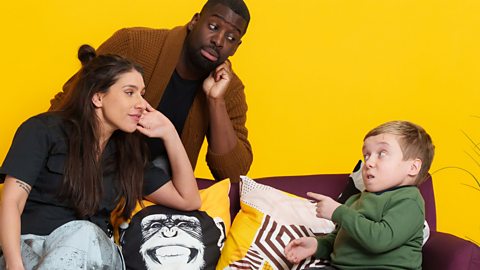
(83, 180)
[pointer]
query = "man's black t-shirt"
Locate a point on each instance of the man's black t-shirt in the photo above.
(175, 105)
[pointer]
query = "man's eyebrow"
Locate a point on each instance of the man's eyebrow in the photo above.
(223, 19)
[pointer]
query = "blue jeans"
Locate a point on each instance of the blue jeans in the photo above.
(77, 244)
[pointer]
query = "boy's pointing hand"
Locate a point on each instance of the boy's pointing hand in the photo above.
(325, 205)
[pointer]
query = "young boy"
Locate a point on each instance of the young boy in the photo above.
(380, 228)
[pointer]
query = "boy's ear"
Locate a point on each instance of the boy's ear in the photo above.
(415, 167)
(97, 100)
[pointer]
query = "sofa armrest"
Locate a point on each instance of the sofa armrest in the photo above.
(446, 251)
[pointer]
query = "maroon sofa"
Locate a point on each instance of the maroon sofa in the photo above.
(441, 252)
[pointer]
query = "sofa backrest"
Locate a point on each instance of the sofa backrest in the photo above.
(426, 188)
(327, 184)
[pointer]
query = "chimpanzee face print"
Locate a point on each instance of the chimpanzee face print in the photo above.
(172, 242)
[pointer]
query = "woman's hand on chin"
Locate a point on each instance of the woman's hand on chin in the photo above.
(154, 124)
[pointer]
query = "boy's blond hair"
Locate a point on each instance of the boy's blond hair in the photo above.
(414, 142)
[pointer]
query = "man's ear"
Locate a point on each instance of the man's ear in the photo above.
(236, 47)
(193, 21)
(415, 167)
(97, 100)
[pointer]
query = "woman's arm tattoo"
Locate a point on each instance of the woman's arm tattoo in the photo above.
(24, 186)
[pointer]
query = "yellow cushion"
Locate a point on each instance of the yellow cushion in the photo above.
(269, 219)
(216, 203)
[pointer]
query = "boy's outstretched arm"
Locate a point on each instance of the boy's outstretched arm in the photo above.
(299, 249)
(397, 225)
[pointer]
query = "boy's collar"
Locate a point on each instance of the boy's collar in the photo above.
(391, 189)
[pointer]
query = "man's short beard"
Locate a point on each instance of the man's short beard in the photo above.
(201, 63)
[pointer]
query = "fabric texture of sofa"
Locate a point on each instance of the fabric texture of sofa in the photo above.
(442, 250)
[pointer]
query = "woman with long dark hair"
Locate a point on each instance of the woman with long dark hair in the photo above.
(67, 170)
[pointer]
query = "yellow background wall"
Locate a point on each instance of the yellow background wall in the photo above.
(319, 75)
